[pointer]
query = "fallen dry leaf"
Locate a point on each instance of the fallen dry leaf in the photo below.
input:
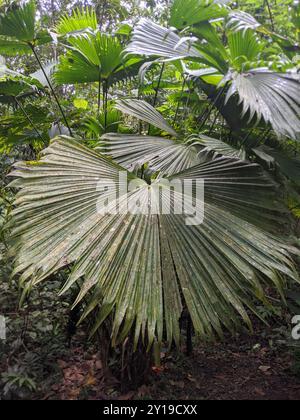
(264, 369)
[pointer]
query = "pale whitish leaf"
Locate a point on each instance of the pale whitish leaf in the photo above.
(271, 96)
(49, 69)
(218, 147)
(241, 21)
(145, 112)
(141, 268)
(151, 39)
(162, 155)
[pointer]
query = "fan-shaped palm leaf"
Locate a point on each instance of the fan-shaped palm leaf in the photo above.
(94, 57)
(272, 96)
(78, 21)
(191, 12)
(141, 267)
(151, 39)
(244, 46)
(242, 21)
(162, 155)
(145, 112)
(18, 29)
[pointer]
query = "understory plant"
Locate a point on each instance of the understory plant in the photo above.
(210, 95)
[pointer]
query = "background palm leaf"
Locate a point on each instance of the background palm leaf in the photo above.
(153, 40)
(145, 112)
(18, 29)
(79, 20)
(191, 12)
(272, 96)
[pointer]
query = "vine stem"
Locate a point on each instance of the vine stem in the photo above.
(51, 88)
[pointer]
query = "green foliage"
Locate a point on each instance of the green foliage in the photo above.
(214, 96)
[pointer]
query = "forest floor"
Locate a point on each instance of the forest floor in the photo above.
(36, 362)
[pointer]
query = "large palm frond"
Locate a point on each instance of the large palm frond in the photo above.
(140, 267)
(271, 96)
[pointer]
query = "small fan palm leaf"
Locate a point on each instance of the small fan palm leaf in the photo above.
(191, 12)
(78, 21)
(242, 21)
(95, 57)
(151, 39)
(18, 29)
(145, 112)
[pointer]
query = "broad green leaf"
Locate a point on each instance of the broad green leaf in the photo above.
(191, 12)
(79, 20)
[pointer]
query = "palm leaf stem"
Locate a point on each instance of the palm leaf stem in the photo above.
(211, 107)
(178, 105)
(157, 90)
(51, 88)
(271, 15)
(19, 104)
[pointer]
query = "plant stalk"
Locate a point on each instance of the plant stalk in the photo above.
(271, 15)
(51, 88)
(157, 90)
(29, 119)
(178, 105)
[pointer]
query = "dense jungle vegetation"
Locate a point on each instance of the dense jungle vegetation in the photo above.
(135, 305)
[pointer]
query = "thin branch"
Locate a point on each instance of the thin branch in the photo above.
(214, 122)
(51, 88)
